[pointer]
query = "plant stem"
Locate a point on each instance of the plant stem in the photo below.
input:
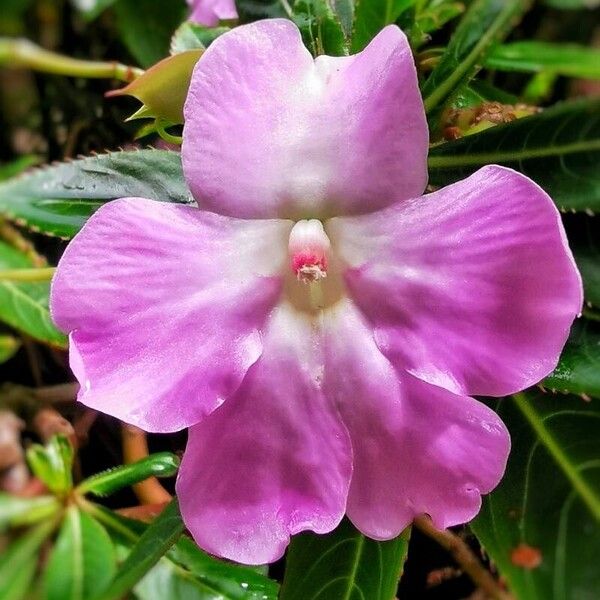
(27, 275)
(464, 556)
(19, 52)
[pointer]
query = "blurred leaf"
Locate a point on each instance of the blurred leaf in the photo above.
(484, 23)
(344, 9)
(578, 371)
(58, 199)
(320, 27)
(24, 306)
(162, 89)
(146, 27)
(541, 526)
(8, 347)
(371, 16)
(18, 563)
(558, 148)
(16, 511)
(343, 564)
(19, 165)
(52, 463)
(532, 56)
(161, 464)
(587, 257)
(573, 4)
(83, 560)
(191, 36)
(154, 543)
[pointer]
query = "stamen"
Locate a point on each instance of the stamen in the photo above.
(308, 248)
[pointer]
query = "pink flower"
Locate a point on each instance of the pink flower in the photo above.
(318, 324)
(210, 12)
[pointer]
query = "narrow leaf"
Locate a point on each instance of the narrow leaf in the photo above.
(18, 562)
(162, 464)
(484, 23)
(570, 60)
(343, 564)
(58, 199)
(541, 526)
(24, 306)
(152, 545)
(83, 560)
(16, 511)
(558, 148)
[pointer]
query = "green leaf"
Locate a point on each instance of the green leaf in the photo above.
(18, 562)
(161, 464)
(24, 306)
(570, 60)
(586, 249)
(9, 346)
(16, 511)
(371, 16)
(558, 148)
(578, 371)
(146, 27)
(59, 199)
(484, 23)
(320, 27)
(191, 36)
(83, 560)
(152, 545)
(548, 504)
(573, 4)
(53, 463)
(343, 564)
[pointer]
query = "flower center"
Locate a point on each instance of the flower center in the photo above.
(308, 250)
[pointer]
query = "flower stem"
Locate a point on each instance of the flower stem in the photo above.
(27, 275)
(464, 556)
(19, 52)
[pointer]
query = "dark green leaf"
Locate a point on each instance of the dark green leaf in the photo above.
(484, 23)
(16, 511)
(8, 347)
(191, 36)
(573, 4)
(371, 16)
(83, 560)
(435, 17)
(18, 562)
(344, 9)
(586, 249)
(532, 56)
(58, 199)
(546, 510)
(320, 27)
(578, 371)
(146, 27)
(150, 548)
(24, 306)
(162, 464)
(558, 148)
(343, 564)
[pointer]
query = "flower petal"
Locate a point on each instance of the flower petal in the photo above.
(210, 12)
(472, 288)
(163, 304)
(417, 448)
(274, 460)
(271, 132)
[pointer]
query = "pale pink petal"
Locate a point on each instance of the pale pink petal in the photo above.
(210, 12)
(164, 304)
(472, 288)
(271, 132)
(274, 460)
(417, 448)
